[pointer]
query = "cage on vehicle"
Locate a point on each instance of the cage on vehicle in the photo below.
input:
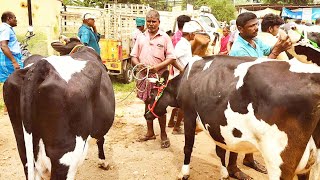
(115, 22)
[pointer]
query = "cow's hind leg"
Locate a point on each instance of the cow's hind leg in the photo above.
(233, 169)
(102, 159)
(189, 126)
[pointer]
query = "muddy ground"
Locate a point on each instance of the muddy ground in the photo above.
(128, 158)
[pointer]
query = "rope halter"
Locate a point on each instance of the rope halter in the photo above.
(76, 48)
(306, 41)
(159, 95)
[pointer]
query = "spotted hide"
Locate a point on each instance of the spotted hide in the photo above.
(56, 104)
(250, 105)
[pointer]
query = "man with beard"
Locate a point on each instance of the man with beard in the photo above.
(153, 50)
(247, 44)
(88, 32)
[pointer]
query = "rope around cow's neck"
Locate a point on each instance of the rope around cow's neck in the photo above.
(76, 48)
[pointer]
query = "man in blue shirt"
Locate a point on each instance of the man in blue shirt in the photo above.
(248, 45)
(10, 52)
(88, 32)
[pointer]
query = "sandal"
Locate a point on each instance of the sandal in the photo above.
(256, 166)
(146, 138)
(165, 143)
(241, 176)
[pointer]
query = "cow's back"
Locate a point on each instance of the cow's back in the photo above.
(59, 101)
(213, 83)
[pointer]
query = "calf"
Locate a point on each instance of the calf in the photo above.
(250, 105)
(56, 104)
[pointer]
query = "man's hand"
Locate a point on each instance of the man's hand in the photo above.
(94, 28)
(281, 45)
(141, 67)
(15, 65)
(154, 69)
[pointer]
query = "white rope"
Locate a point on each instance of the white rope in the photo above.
(147, 68)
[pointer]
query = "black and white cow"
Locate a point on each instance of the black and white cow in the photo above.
(56, 104)
(251, 105)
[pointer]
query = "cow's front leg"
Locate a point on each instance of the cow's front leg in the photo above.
(189, 126)
(103, 164)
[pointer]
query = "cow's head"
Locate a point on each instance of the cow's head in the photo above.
(162, 95)
(306, 45)
(200, 44)
(65, 47)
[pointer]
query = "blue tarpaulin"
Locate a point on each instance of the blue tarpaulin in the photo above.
(315, 13)
(304, 13)
(291, 14)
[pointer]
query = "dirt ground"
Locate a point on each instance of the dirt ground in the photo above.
(128, 158)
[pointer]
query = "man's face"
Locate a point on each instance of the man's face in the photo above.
(192, 35)
(250, 30)
(274, 30)
(12, 20)
(153, 24)
(90, 22)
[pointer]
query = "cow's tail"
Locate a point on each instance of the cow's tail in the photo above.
(33, 78)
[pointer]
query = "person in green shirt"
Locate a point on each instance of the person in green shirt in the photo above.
(88, 32)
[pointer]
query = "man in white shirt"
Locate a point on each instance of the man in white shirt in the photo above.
(183, 55)
(270, 27)
(183, 48)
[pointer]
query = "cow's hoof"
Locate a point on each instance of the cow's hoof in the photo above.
(103, 165)
(165, 143)
(185, 177)
(241, 176)
(225, 178)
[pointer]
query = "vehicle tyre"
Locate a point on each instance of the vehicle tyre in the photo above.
(127, 73)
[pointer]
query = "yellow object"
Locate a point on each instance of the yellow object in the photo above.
(111, 53)
(110, 49)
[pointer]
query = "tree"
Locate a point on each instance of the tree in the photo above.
(223, 10)
(94, 3)
(292, 2)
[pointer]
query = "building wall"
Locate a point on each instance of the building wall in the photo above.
(45, 18)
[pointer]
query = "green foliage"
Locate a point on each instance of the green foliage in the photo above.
(37, 44)
(94, 3)
(292, 2)
(120, 87)
(124, 92)
(223, 10)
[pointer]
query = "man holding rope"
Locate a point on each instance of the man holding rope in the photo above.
(153, 50)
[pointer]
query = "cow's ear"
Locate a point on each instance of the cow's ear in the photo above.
(165, 75)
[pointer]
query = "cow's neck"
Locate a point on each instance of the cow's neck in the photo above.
(304, 54)
(175, 86)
